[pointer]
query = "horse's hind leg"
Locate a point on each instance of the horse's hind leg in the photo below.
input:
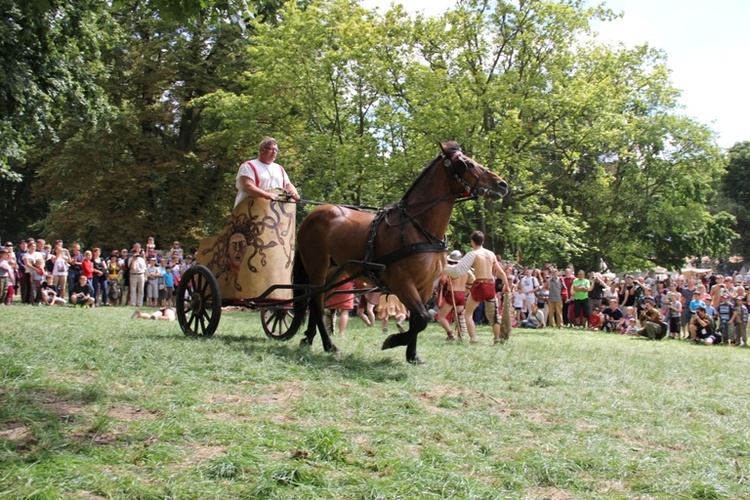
(317, 321)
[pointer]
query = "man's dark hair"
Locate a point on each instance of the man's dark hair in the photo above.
(477, 237)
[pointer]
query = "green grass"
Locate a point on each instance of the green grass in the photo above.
(94, 404)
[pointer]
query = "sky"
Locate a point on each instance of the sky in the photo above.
(707, 46)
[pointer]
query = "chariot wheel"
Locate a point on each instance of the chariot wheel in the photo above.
(278, 323)
(198, 302)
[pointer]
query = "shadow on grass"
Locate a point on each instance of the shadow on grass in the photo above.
(350, 365)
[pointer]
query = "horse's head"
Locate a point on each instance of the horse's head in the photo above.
(473, 178)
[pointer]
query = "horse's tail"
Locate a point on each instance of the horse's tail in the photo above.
(299, 277)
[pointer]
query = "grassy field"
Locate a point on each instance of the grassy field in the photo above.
(95, 405)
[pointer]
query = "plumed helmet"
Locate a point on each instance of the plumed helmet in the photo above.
(455, 256)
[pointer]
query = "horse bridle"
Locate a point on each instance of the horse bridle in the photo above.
(472, 190)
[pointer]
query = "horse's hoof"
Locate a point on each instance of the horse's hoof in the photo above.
(387, 343)
(333, 350)
(305, 342)
(416, 361)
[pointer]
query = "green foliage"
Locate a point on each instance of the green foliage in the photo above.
(600, 162)
(735, 193)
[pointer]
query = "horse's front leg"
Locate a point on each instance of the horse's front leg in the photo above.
(418, 319)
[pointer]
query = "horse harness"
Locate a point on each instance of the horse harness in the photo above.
(373, 268)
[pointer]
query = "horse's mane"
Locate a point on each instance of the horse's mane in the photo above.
(451, 146)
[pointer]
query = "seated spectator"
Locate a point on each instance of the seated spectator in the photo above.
(535, 318)
(652, 326)
(595, 320)
(49, 295)
(627, 317)
(82, 294)
(613, 318)
(164, 313)
(702, 330)
(631, 327)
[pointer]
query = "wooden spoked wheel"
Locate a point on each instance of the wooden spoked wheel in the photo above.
(278, 323)
(198, 302)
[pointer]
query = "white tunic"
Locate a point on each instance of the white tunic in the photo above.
(269, 176)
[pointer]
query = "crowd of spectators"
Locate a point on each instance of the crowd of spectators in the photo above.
(35, 272)
(705, 308)
(634, 305)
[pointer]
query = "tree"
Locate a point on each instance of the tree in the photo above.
(49, 73)
(142, 170)
(735, 194)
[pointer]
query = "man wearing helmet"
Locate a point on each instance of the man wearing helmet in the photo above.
(453, 293)
(483, 288)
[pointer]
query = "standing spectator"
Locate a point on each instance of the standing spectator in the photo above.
(554, 287)
(337, 308)
(32, 271)
(87, 267)
(114, 290)
(38, 278)
(150, 247)
(154, 277)
(674, 314)
(568, 280)
(687, 292)
(6, 272)
(739, 321)
(581, 289)
(597, 290)
(76, 258)
(176, 250)
(9, 259)
(99, 283)
(725, 311)
(41, 247)
(24, 283)
(168, 286)
(718, 289)
(137, 269)
(609, 293)
(529, 287)
(60, 268)
(519, 301)
(124, 263)
(627, 293)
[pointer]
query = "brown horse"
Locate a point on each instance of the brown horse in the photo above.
(401, 248)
